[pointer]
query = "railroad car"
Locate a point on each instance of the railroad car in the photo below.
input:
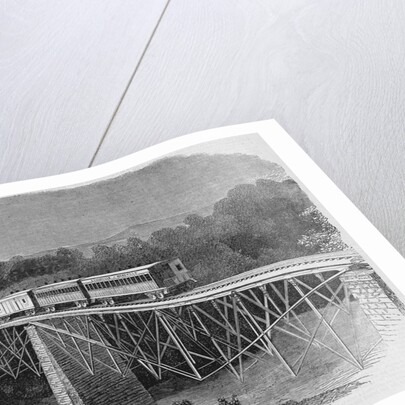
(154, 280)
(172, 272)
(64, 292)
(16, 303)
(127, 282)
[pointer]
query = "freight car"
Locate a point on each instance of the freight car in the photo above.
(153, 281)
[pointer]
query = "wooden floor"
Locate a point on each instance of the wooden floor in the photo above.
(85, 82)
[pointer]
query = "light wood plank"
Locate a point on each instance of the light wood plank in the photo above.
(63, 68)
(330, 72)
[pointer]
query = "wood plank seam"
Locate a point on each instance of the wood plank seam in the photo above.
(138, 64)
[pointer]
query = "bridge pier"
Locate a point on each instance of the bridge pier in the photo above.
(72, 384)
(62, 389)
(374, 300)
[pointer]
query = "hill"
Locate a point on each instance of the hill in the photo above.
(135, 203)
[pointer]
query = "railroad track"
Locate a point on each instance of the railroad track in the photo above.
(252, 278)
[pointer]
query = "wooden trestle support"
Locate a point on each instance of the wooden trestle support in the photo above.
(230, 330)
(16, 353)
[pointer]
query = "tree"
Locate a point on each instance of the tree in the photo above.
(322, 236)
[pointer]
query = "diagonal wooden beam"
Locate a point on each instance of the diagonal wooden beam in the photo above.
(258, 331)
(183, 350)
(323, 296)
(301, 359)
(327, 325)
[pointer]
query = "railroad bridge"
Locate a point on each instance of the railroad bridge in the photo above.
(90, 355)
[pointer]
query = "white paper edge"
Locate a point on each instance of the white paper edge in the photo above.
(369, 240)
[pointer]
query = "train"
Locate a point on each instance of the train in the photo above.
(151, 281)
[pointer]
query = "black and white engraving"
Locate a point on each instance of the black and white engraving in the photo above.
(205, 277)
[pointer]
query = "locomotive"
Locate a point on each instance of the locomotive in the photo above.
(152, 281)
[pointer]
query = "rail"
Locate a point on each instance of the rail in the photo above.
(253, 278)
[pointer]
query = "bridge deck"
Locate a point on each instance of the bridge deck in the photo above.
(254, 278)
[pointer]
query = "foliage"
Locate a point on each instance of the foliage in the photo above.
(254, 225)
(233, 401)
(322, 236)
(221, 401)
(29, 387)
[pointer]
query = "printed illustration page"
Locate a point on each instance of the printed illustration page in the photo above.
(221, 267)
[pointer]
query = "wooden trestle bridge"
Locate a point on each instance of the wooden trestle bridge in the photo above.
(231, 324)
